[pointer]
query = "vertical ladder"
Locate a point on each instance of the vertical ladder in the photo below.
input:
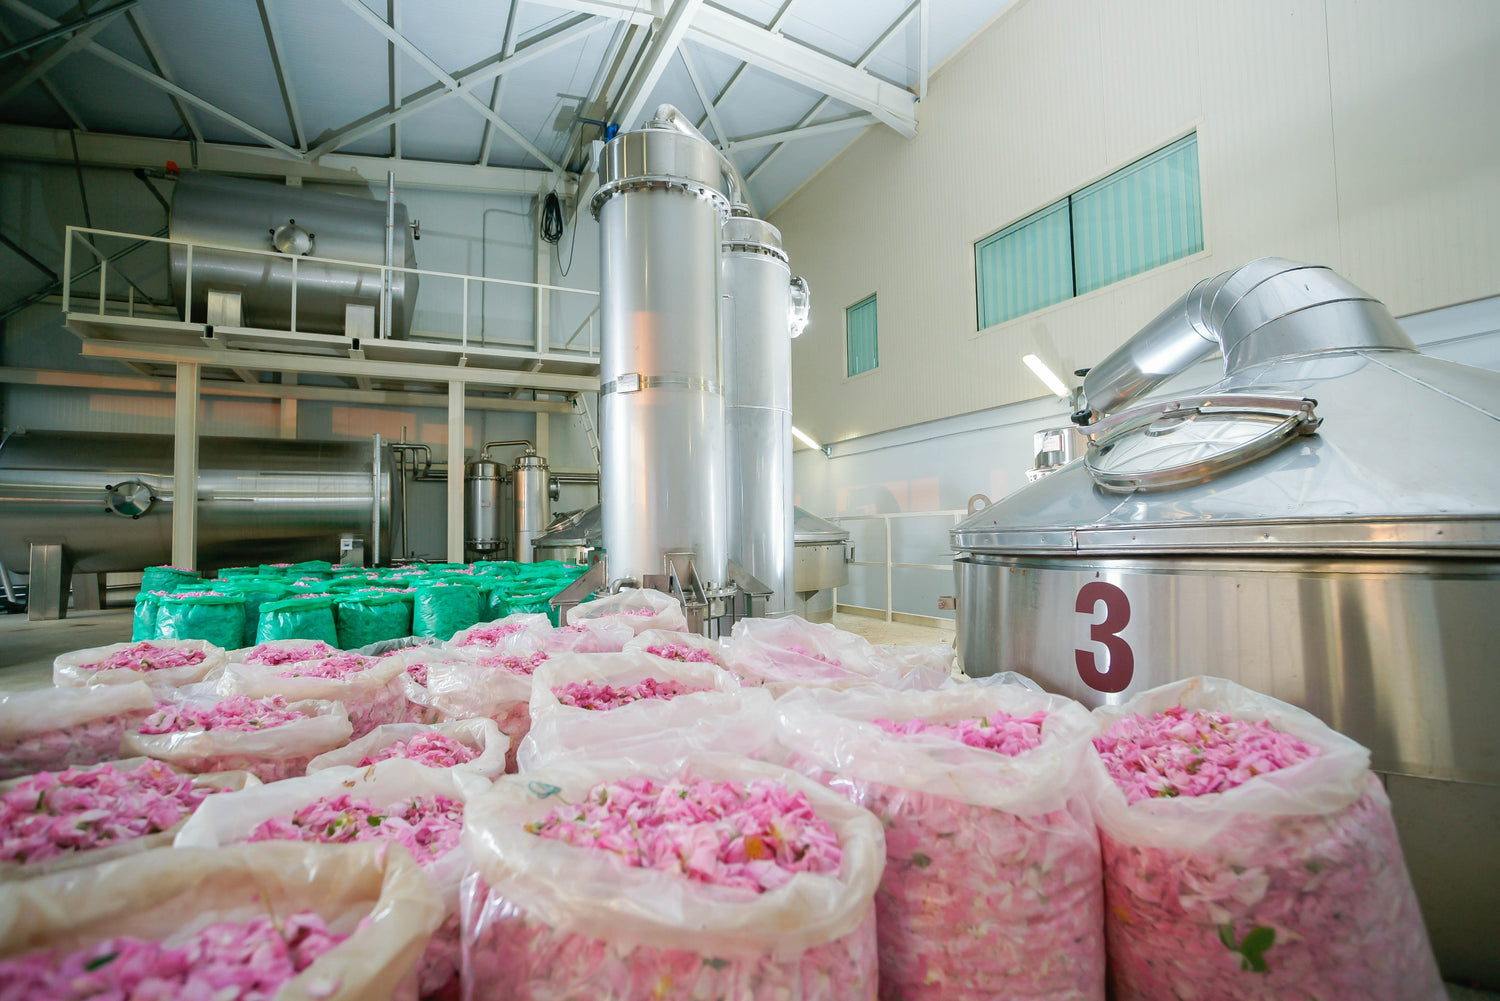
(581, 408)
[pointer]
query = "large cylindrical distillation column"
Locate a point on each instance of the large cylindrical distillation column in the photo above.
(757, 309)
(660, 207)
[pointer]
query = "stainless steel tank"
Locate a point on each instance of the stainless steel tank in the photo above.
(821, 564)
(484, 524)
(107, 498)
(661, 398)
(1322, 525)
(257, 215)
(574, 538)
(532, 492)
(757, 307)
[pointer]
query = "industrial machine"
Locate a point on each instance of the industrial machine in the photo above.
(506, 507)
(821, 564)
(665, 196)
(257, 290)
(95, 503)
(1322, 525)
(574, 537)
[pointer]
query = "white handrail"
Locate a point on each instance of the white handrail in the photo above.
(957, 514)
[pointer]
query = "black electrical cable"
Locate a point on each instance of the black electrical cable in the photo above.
(552, 218)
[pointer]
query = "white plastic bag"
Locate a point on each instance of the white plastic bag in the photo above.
(607, 635)
(506, 633)
(919, 666)
(481, 736)
(269, 754)
(53, 728)
(372, 697)
(78, 668)
(551, 921)
(992, 860)
(13, 870)
(463, 688)
(1289, 886)
(230, 819)
(722, 717)
(675, 645)
(790, 652)
(379, 899)
(640, 608)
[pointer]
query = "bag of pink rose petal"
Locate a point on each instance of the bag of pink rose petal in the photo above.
(162, 664)
(704, 876)
(606, 705)
(295, 922)
(369, 687)
(394, 801)
(789, 652)
(1250, 853)
(52, 728)
(464, 745)
(639, 608)
(992, 882)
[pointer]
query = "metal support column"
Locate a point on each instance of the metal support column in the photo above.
(455, 472)
(288, 405)
(542, 306)
(185, 468)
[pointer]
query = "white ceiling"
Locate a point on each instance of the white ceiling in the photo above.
(303, 79)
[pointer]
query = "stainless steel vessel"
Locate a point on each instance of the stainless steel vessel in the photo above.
(484, 523)
(577, 537)
(661, 397)
(256, 215)
(821, 564)
(533, 502)
(757, 308)
(107, 499)
(1322, 525)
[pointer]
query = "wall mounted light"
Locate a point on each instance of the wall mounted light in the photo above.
(1041, 371)
(805, 438)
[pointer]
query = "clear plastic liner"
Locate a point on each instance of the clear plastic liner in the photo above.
(640, 608)
(372, 697)
(54, 728)
(482, 736)
(74, 669)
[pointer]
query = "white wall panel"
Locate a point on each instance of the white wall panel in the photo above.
(1355, 134)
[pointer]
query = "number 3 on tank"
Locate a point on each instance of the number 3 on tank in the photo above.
(1119, 665)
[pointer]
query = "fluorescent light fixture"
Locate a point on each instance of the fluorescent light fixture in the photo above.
(1042, 372)
(805, 438)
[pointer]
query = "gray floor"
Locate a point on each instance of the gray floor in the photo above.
(27, 650)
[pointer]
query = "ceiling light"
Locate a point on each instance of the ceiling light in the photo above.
(1042, 372)
(805, 438)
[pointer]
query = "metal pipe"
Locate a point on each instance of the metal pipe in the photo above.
(484, 453)
(375, 505)
(1267, 309)
(390, 253)
(667, 116)
(10, 591)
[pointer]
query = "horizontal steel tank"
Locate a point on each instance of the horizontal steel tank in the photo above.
(1322, 525)
(661, 399)
(107, 498)
(258, 215)
(757, 309)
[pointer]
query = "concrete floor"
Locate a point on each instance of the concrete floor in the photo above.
(27, 649)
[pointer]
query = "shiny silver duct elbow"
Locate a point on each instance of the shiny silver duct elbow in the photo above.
(1265, 310)
(667, 116)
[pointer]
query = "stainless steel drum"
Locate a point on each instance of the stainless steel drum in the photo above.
(107, 499)
(661, 399)
(484, 526)
(758, 404)
(532, 500)
(1323, 525)
(257, 215)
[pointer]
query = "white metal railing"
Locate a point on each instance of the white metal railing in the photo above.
(81, 234)
(887, 563)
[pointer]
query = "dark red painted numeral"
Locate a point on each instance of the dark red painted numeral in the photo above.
(1120, 666)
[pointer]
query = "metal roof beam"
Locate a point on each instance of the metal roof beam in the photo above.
(41, 64)
(69, 27)
(757, 46)
(148, 44)
(52, 92)
(537, 47)
(739, 71)
(283, 80)
(864, 60)
(844, 124)
(637, 91)
(497, 93)
(641, 13)
(447, 79)
(709, 107)
(156, 80)
(24, 142)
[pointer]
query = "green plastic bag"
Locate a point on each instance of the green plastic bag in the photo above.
(365, 617)
(144, 626)
(202, 615)
(313, 568)
(309, 618)
(533, 599)
(492, 592)
(168, 578)
(257, 591)
(441, 609)
(233, 573)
